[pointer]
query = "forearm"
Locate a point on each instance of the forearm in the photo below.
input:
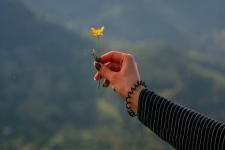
(179, 126)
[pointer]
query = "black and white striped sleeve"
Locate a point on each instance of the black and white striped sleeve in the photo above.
(183, 128)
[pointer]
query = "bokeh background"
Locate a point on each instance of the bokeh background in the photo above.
(48, 98)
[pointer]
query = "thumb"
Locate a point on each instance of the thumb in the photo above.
(103, 70)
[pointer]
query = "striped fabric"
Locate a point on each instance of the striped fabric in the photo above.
(183, 128)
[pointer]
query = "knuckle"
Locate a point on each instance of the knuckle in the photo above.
(129, 57)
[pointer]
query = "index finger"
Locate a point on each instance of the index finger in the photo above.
(112, 56)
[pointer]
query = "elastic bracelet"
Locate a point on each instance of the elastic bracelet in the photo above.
(131, 113)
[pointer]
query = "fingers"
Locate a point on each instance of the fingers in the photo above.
(104, 71)
(112, 56)
(96, 77)
(112, 66)
(106, 83)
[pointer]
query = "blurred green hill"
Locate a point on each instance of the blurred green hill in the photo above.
(190, 25)
(48, 99)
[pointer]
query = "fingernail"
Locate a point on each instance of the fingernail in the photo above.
(97, 66)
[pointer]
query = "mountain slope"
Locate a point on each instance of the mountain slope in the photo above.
(191, 25)
(48, 99)
(193, 79)
(41, 75)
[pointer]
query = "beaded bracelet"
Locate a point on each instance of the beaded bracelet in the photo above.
(131, 113)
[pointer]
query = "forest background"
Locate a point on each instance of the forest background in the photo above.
(48, 98)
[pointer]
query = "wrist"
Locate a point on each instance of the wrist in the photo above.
(133, 97)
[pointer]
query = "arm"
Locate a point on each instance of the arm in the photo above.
(179, 126)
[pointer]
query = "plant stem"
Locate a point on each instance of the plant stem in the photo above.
(99, 57)
(98, 48)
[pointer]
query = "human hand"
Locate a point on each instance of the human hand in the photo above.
(121, 71)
